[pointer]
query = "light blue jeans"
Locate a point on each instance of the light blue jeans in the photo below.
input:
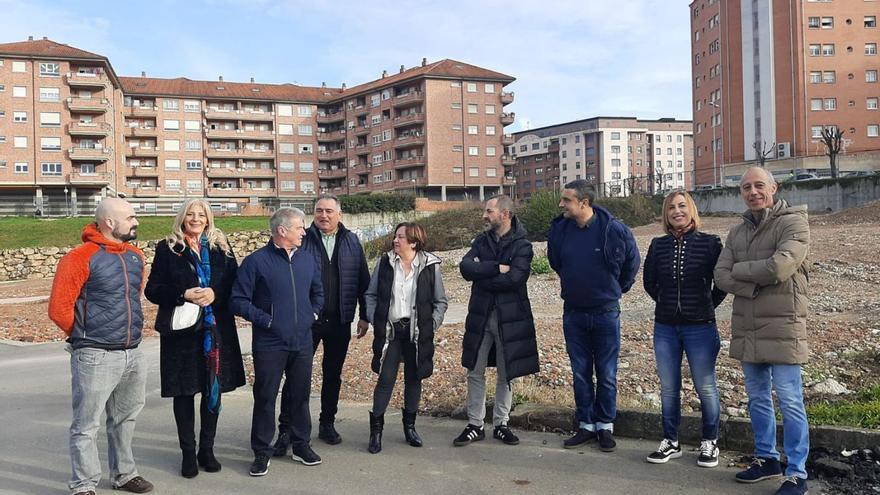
(786, 380)
(104, 381)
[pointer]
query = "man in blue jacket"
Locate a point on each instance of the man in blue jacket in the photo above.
(345, 277)
(279, 291)
(596, 258)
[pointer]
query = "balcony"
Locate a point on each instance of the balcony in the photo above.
(337, 135)
(262, 116)
(223, 133)
(89, 129)
(222, 152)
(508, 161)
(508, 180)
(258, 135)
(332, 173)
(94, 178)
(412, 118)
(221, 172)
(144, 171)
(404, 184)
(238, 192)
(146, 192)
(328, 118)
(142, 152)
(142, 111)
(89, 154)
(140, 131)
(329, 155)
(408, 98)
(411, 140)
(221, 114)
(86, 80)
(508, 118)
(265, 173)
(256, 153)
(508, 140)
(413, 161)
(88, 105)
(506, 97)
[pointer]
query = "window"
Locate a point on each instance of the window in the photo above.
(714, 46)
(386, 135)
(171, 145)
(50, 119)
(193, 185)
(473, 150)
(615, 136)
(51, 169)
(306, 167)
(191, 106)
(19, 116)
(172, 184)
(287, 166)
(171, 125)
(871, 76)
(285, 110)
(193, 145)
(169, 104)
(815, 77)
(285, 129)
(870, 21)
(827, 23)
(305, 149)
(305, 130)
(490, 151)
(473, 108)
(830, 103)
(50, 94)
(455, 84)
(307, 186)
(490, 109)
(21, 167)
(816, 131)
(52, 69)
(19, 142)
(615, 162)
(871, 103)
(471, 87)
(870, 48)
(456, 106)
(193, 165)
(19, 92)
(813, 23)
(171, 164)
(375, 100)
(873, 130)
(457, 147)
(473, 129)
(288, 185)
(304, 111)
(473, 172)
(828, 50)
(192, 125)
(814, 50)
(829, 76)
(615, 149)
(816, 104)
(19, 67)
(490, 130)
(50, 144)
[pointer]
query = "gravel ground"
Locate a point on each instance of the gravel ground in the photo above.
(844, 329)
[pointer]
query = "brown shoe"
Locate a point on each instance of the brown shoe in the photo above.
(136, 485)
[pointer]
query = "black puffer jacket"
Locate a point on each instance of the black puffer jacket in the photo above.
(678, 277)
(507, 294)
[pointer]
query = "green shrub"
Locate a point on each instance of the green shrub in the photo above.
(540, 265)
(537, 213)
(635, 210)
(861, 412)
(446, 230)
(378, 203)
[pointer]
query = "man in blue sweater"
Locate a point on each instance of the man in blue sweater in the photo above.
(279, 291)
(596, 258)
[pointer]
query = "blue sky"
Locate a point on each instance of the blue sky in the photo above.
(572, 59)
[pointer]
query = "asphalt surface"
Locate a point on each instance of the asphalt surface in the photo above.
(35, 415)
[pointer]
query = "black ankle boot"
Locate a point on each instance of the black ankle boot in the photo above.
(409, 429)
(208, 461)
(188, 467)
(377, 423)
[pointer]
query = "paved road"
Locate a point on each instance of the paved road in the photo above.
(35, 415)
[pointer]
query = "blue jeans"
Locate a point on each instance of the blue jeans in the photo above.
(701, 344)
(593, 342)
(786, 379)
(104, 381)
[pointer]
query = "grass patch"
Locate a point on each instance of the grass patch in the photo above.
(21, 232)
(540, 265)
(447, 230)
(861, 412)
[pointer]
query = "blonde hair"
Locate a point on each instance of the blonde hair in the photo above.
(216, 237)
(667, 201)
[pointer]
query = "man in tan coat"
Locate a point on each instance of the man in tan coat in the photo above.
(764, 264)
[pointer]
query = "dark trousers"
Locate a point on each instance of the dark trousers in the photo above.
(335, 337)
(399, 348)
(185, 418)
(269, 367)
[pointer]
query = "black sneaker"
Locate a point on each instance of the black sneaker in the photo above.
(327, 432)
(305, 454)
(581, 438)
(281, 445)
(708, 454)
(470, 434)
(762, 468)
(667, 450)
(260, 466)
(606, 441)
(504, 434)
(792, 485)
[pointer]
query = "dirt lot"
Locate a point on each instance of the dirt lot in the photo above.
(844, 328)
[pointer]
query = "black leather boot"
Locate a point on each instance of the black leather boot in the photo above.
(208, 461)
(377, 423)
(409, 429)
(189, 467)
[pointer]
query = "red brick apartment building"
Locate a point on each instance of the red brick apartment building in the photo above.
(777, 73)
(72, 131)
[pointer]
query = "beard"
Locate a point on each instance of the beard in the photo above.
(125, 236)
(493, 226)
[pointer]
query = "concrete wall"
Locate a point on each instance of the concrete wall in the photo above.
(819, 195)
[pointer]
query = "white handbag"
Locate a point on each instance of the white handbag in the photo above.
(186, 316)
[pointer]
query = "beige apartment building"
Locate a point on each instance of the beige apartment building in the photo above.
(620, 155)
(72, 132)
(776, 73)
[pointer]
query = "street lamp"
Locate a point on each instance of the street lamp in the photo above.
(66, 201)
(714, 145)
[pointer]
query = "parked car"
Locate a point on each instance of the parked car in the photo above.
(860, 173)
(706, 187)
(803, 177)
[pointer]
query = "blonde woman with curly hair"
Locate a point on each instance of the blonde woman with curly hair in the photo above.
(195, 264)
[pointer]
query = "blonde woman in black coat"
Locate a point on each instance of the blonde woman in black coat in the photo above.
(196, 264)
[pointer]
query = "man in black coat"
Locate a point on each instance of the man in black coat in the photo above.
(499, 329)
(345, 277)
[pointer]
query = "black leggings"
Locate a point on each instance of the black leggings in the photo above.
(399, 348)
(185, 417)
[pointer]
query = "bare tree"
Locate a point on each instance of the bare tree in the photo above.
(832, 138)
(763, 151)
